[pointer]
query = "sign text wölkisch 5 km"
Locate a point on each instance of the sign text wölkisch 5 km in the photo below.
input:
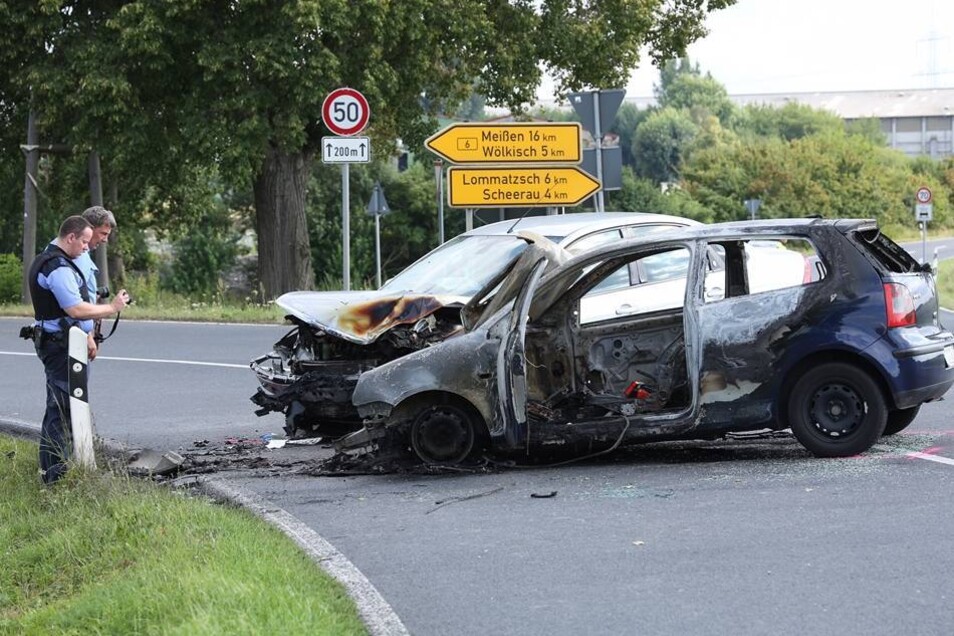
(508, 143)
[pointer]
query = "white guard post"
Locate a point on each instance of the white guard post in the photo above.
(80, 416)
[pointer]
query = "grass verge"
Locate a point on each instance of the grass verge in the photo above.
(945, 283)
(185, 311)
(106, 554)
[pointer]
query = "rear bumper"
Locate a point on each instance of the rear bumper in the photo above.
(920, 372)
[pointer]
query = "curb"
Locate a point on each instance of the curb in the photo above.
(375, 612)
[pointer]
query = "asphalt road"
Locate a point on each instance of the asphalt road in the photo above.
(745, 537)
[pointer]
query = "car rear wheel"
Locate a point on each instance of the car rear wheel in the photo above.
(899, 419)
(836, 410)
(443, 434)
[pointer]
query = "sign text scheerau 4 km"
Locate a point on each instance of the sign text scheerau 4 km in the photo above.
(538, 186)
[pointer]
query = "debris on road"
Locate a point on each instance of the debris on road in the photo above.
(152, 462)
(446, 502)
(543, 495)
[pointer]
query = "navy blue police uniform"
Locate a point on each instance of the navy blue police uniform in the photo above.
(56, 284)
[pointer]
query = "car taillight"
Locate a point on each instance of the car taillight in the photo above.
(900, 304)
(807, 273)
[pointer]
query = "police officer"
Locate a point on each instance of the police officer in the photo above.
(61, 300)
(103, 223)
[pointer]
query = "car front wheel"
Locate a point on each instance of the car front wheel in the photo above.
(443, 434)
(836, 410)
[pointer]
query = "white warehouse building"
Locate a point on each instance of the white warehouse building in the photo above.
(915, 121)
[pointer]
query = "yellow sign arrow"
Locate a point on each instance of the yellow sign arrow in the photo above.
(538, 186)
(508, 143)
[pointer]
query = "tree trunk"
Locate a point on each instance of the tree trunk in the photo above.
(284, 252)
(29, 205)
(117, 266)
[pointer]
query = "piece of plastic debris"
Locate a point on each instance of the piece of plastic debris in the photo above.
(152, 462)
(276, 443)
(266, 437)
(543, 495)
(639, 543)
(307, 441)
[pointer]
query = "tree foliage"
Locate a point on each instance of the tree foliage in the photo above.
(164, 89)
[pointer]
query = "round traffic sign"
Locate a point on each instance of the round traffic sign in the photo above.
(924, 194)
(345, 111)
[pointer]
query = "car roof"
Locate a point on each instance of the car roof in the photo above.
(735, 229)
(565, 227)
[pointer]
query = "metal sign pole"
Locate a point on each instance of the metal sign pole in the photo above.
(598, 135)
(924, 242)
(377, 248)
(345, 226)
(439, 177)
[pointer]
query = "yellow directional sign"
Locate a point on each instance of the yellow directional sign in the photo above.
(508, 143)
(538, 186)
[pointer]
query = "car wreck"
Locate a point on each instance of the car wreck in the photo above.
(841, 353)
(310, 373)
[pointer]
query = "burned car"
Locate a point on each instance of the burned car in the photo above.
(310, 374)
(841, 354)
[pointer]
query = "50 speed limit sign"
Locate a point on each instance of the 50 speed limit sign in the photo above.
(345, 112)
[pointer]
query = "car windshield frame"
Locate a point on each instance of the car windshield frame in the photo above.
(459, 267)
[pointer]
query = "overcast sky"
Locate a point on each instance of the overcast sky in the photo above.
(783, 46)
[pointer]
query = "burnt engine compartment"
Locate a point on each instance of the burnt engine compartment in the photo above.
(310, 375)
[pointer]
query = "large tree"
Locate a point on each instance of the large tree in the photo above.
(165, 84)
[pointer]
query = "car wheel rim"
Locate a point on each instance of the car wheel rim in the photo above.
(442, 435)
(836, 410)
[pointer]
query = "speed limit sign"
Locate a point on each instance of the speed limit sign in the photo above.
(924, 194)
(345, 112)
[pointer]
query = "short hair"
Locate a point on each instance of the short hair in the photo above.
(99, 216)
(73, 225)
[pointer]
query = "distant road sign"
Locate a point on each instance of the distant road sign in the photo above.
(502, 187)
(924, 212)
(345, 111)
(345, 150)
(508, 143)
(924, 194)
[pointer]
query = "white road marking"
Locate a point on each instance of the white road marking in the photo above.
(193, 362)
(932, 458)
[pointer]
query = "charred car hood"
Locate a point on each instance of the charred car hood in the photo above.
(362, 316)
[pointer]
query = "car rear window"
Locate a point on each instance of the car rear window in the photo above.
(885, 252)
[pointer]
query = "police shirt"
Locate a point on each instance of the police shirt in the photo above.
(65, 283)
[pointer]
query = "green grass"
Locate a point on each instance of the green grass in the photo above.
(945, 283)
(105, 554)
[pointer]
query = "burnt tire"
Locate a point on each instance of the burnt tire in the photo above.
(837, 410)
(443, 434)
(899, 419)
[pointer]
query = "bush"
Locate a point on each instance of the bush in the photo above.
(200, 258)
(11, 277)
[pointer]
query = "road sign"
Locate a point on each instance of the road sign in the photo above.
(378, 205)
(515, 142)
(345, 150)
(585, 106)
(924, 194)
(924, 212)
(345, 112)
(612, 158)
(753, 205)
(537, 186)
